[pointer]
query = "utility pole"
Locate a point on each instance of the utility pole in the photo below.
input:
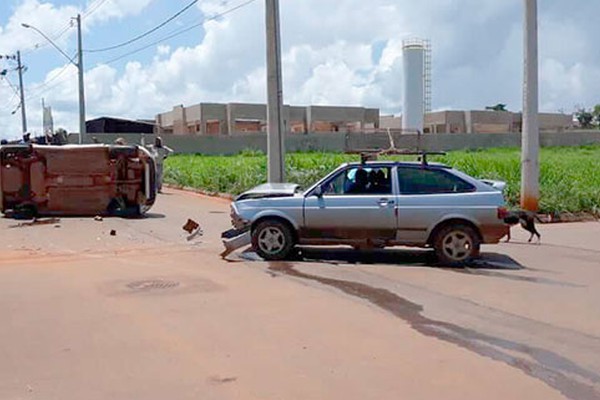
(530, 166)
(22, 93)
(82, 130)
(20, 69)
(275, 127)
(78, 64)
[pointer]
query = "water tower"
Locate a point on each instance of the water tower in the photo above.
(416, 99)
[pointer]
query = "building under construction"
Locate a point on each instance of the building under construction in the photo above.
(239, 118)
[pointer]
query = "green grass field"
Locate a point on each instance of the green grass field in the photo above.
(570, 177)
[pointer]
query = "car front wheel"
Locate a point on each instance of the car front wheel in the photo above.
(273, 240)
(456, 244)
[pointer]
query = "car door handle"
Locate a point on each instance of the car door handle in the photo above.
(385, 202)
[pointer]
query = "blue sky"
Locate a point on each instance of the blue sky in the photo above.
(345, 52)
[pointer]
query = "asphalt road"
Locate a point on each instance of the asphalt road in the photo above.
(146, 314)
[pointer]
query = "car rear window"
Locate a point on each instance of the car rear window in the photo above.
(430, 181)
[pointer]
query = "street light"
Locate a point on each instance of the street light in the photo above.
(78, 64)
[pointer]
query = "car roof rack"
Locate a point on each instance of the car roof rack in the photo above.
(373, 155)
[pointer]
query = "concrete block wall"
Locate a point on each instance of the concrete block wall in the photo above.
(340, 142)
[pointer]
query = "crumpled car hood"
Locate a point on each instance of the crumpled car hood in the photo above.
(268, 190)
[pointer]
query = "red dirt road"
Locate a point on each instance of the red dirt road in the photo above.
(146, 315)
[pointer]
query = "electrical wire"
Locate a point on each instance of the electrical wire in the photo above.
(48, 88)
(143, 35)
(93, 7)
(43, 85)
(9, 103)
(55, 36)
(182, 31)
(14, 88)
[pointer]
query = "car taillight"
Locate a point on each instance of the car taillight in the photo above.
(502, 213)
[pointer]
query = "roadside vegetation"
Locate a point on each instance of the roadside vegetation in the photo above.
(570, 176)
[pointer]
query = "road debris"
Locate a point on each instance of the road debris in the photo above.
(98, 218)
(234, 239)
(193, 228)
(113, 232)
(190, 226)
(37, 221)
(198, 232)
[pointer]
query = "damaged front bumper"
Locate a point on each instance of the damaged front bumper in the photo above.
(238, 236)
(234, 239)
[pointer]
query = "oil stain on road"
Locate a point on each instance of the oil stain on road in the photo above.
(560, 373)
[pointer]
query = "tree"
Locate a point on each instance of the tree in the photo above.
(596, 114)
(497, 107)
(585, 118)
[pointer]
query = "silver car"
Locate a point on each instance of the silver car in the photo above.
(375, 205)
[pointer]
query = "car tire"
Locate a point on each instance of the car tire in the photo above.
(25, 212)
(456, 244)
(273, 240)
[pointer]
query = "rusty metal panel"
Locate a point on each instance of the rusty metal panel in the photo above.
(81, 161)
(78, 200)
(12, 179)
(38, 181)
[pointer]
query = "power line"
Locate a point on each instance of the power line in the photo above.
(182, 31)
(43, 85)
(141, 36)
(16, 90)
(93, 7)
(45, 89)
(57, 35)
(9, 103)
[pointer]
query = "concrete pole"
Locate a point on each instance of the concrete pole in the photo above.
(530, 167)
(22, 92)
(82, 130)
(275, 128)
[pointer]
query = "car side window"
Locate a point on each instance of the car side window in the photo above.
(430, 181)
(360, 180)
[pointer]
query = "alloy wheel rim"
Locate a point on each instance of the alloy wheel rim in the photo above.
(457, 245)
(271, 240)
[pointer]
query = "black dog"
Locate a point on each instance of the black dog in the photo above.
(527, 220)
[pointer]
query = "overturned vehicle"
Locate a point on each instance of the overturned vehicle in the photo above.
(76, 180)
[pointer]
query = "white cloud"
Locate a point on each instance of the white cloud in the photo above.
(114, 9)
(46, 17)
(163, 50)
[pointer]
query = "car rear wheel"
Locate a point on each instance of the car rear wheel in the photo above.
(456, 244)
(273, 240)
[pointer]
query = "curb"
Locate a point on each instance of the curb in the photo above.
(567, 217)
(223, 196)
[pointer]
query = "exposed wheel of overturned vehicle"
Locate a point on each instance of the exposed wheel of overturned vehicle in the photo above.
(25, 211)
(456, 244)
(273, 239)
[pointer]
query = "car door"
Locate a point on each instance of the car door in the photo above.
(426, 195)
(357, 203)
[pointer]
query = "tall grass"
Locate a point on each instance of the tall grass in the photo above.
(569, 180)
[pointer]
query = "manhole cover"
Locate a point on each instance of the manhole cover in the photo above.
(152, 285)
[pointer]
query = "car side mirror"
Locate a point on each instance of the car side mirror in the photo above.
(318, 191)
